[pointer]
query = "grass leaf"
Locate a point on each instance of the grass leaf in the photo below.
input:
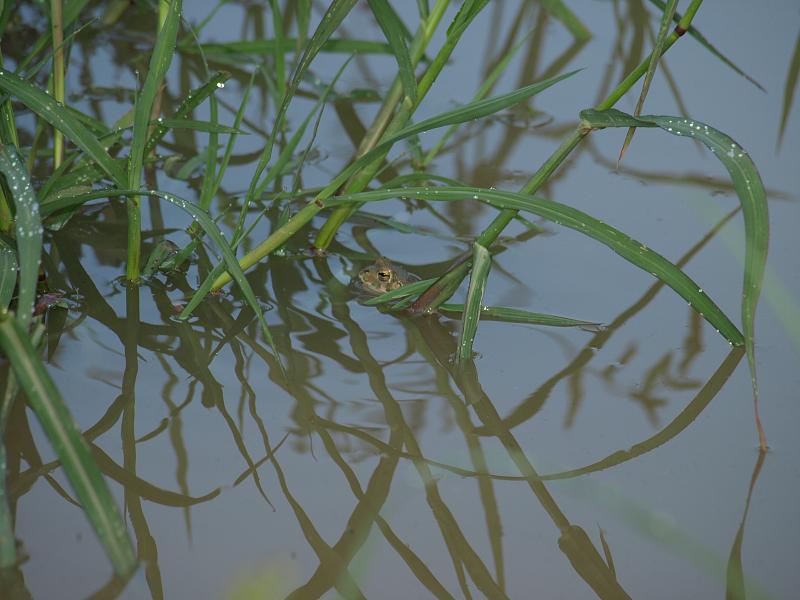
(752, 197)
(515, 315)
(68, 444)
(393, 29)
(159, 63)
(8, 273)
(62, 119)
(481, 263)
(658, 48)
(28, 225)
(789, 89)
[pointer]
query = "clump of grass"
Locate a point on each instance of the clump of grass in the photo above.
(102, 161)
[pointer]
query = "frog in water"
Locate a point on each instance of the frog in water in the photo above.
(382, 276)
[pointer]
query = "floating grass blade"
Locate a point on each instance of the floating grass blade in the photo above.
(481, 263)
(663, 32)
(628, 248)
(28, 226)
(789, 89)
(393, 29)
(62, 119)
(159, 63)
(750, 189)
(515, 315)
(68, 443)
(468, 112)
(210, 228)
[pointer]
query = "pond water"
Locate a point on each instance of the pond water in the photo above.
(374, 470)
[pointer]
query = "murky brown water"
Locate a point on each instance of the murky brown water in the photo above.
(378, 471)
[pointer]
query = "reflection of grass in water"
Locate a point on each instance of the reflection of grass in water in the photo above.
(104, 155)
(784, 305)
(661, 530)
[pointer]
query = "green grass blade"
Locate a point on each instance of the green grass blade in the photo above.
(789, 89)
(62, 119)
(159, 63)
(569, 19)
(515, 315)
(8, 273)
(331, 20)
(68, 444)
(393, 29)
(195, 125)
(192, 101)
(481, 263)
(752, 197)
(663, 33)
(628, 248)
(236, 49)
(28, 225)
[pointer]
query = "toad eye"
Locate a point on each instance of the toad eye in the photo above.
(384, 275)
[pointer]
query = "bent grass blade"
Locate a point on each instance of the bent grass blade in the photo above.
(68, 444)
(752, 197)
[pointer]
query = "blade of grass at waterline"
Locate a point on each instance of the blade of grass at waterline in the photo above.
(481, 263)
(62, 119)
(68, 444)
(28, 226)
(209, 228)
(658, 48)
(561, 214)
(393, 30)
(159, 63)
(468, 112)
(515, 315)
(752, 198)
